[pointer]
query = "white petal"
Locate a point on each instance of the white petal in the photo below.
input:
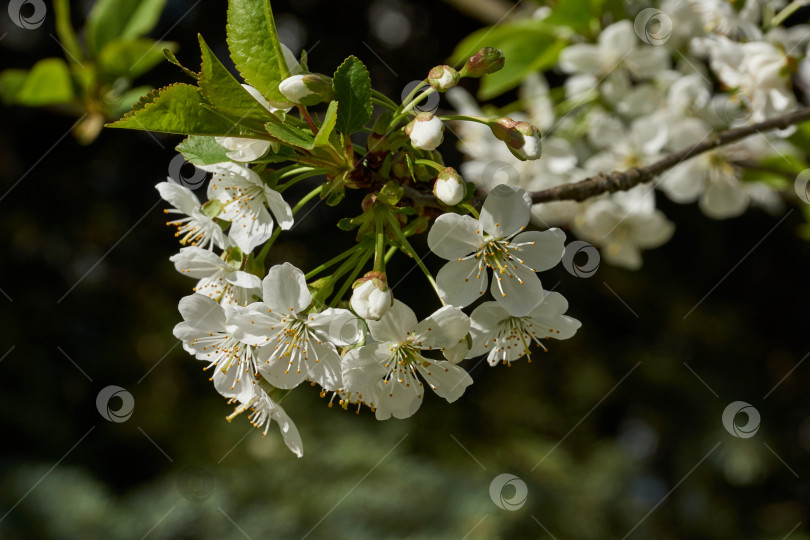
(544, 249)
(236, 382)
(394, 326)
(453, 236)
(178, 196)
(484, 326)
(724, 198)
(285, 289)
(650, 230)
(252, 228)
(398, 400)
(245, 280)
(444, 328)
(685, 182)
(280, 370)
(506, 210)
(460, 283)
(202, 313)
(281, 210)
(253, 324)
(364, 367)
(339, 326)
(580, 58)
(323, 366)
(447, 380)
(288, 430)
(198, 263)
(518, 290)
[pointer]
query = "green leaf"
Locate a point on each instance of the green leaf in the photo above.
(347, 224)
(352, 85)
(290, 135)
(328, 125)
(120, 19)
(179, 109)
(131, 58)
(576, 14)
(528, 45)
(227, 95)
(47, 83)
(255, 48)
(115, 108)
(169, 55)
(201, 150)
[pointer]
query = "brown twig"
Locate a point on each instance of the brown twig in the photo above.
(624, 180)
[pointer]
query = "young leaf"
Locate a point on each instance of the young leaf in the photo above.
(352, 85)
(131, 57)
(169, 55)
(255, 48)
(328, 125)
(67, 35)
(114, 19)
(47, 83)
(290, 135)
(201, 150)
(180, 109)
(225, 93)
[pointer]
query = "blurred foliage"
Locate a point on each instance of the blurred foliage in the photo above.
(95, 83)
(619, 441)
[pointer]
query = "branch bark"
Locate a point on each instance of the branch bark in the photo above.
(624, 180)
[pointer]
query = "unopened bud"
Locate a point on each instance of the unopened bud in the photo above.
(487, 60)
(426, 131)
(522, 138)
(371, 298)
(449, 187)
(307, 90)
(443, 78)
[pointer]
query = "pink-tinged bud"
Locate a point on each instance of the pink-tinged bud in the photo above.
(487, 60)
(522, 138)
(443, 78)
(426, 131)
(449, 187)
(371, 298)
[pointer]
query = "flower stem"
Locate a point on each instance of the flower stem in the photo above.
(789, 10)
(306, 198)
(465, 118)
(349, 280)
(333, 261)
(379, 248)
(430, 163)
(408, 249)
(385, 99)
(302, 176)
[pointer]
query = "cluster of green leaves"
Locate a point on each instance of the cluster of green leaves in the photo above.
(94, 81)
(218, 104)
(532, 45)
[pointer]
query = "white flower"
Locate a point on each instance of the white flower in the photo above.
(218, 280)
(196, 228)
(242, 148)
(623, 225)
(385, 373)
(531, 147)
(370, 302)
(505, 338)
(449, 187)
(245, 200)
(616, 51)
(473, 245)
(263, 411)
(204, 334)
(293, 345)
(426, 131)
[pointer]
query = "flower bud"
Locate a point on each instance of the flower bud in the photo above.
(449, 187)
(372, 298)
(309, 89)
(487, 60)
(522, 138)
(426, 131)
(443, 78)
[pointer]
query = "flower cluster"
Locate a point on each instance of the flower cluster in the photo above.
(667, 76)
(261, 332)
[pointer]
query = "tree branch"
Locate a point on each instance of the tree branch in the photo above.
(624, 180)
